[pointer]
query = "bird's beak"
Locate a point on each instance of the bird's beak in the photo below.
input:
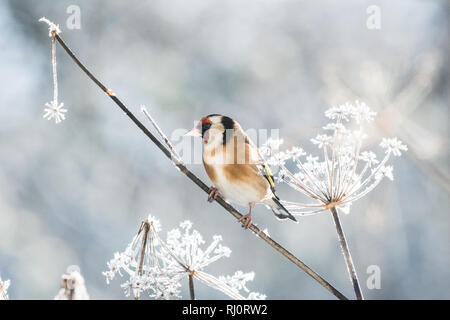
(195, 132)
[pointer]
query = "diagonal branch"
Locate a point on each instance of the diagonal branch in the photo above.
(197, 181)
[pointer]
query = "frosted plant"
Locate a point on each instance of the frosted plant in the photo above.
(52, 27)
(345, 173)
(184, 246)
(188, 259)
(142, 261)
(54, 109)
(158, 266)
(72, 287)
(4, 285)
(238, 282)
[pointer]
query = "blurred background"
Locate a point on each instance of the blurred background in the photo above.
(74, 193)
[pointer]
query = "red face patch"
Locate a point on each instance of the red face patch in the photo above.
(205, 120)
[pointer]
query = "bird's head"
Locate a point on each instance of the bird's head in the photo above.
(215, 129)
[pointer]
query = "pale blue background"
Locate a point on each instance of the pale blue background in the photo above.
(74, 193)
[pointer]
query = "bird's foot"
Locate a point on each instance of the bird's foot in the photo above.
(246, 220)
(213, 194)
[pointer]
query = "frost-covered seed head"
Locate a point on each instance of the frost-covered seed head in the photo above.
(345, 172)
(167, 263)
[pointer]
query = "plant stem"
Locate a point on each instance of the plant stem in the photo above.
(145, 227)
(191, 286)
(199, 182)
(144, 246)
(347, 256)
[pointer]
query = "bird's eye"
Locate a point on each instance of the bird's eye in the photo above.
(205, 126)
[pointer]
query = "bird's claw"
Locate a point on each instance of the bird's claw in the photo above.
(246, 220)
(213, 194)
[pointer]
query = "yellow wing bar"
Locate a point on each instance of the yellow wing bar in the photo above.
(269, 175)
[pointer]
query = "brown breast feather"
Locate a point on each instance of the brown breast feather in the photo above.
(211, 172)
(242, 170)
(236, 164)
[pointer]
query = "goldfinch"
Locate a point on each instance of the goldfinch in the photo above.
(235, 167)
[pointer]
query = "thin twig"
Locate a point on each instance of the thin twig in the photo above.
(146, 228)
(55, 75)
(161, 133)
(200, 183)
(347, 255)
(191, 286)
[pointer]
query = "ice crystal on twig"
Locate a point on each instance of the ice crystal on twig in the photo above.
(184, 246)
(345, 173)
(54, 109)
(158, 267)
(238, 280)
(52, 27)
(174, 155)
(72, 287)
(4, 285)
(238, 283)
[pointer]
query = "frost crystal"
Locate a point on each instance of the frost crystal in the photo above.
(238, 280)
(52, 28)
(369, 157)
(185, 246)
(393, 146)
(72, 287)
(322, 140)
(158, 267)
(4, 285)
(54, 110)
(338, 179)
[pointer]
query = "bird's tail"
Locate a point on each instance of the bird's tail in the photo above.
(280, 211)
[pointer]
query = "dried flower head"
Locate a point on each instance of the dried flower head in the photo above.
(158, 266)
(345, 173)
(142, 261)
(54, 110)
(186, 245)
